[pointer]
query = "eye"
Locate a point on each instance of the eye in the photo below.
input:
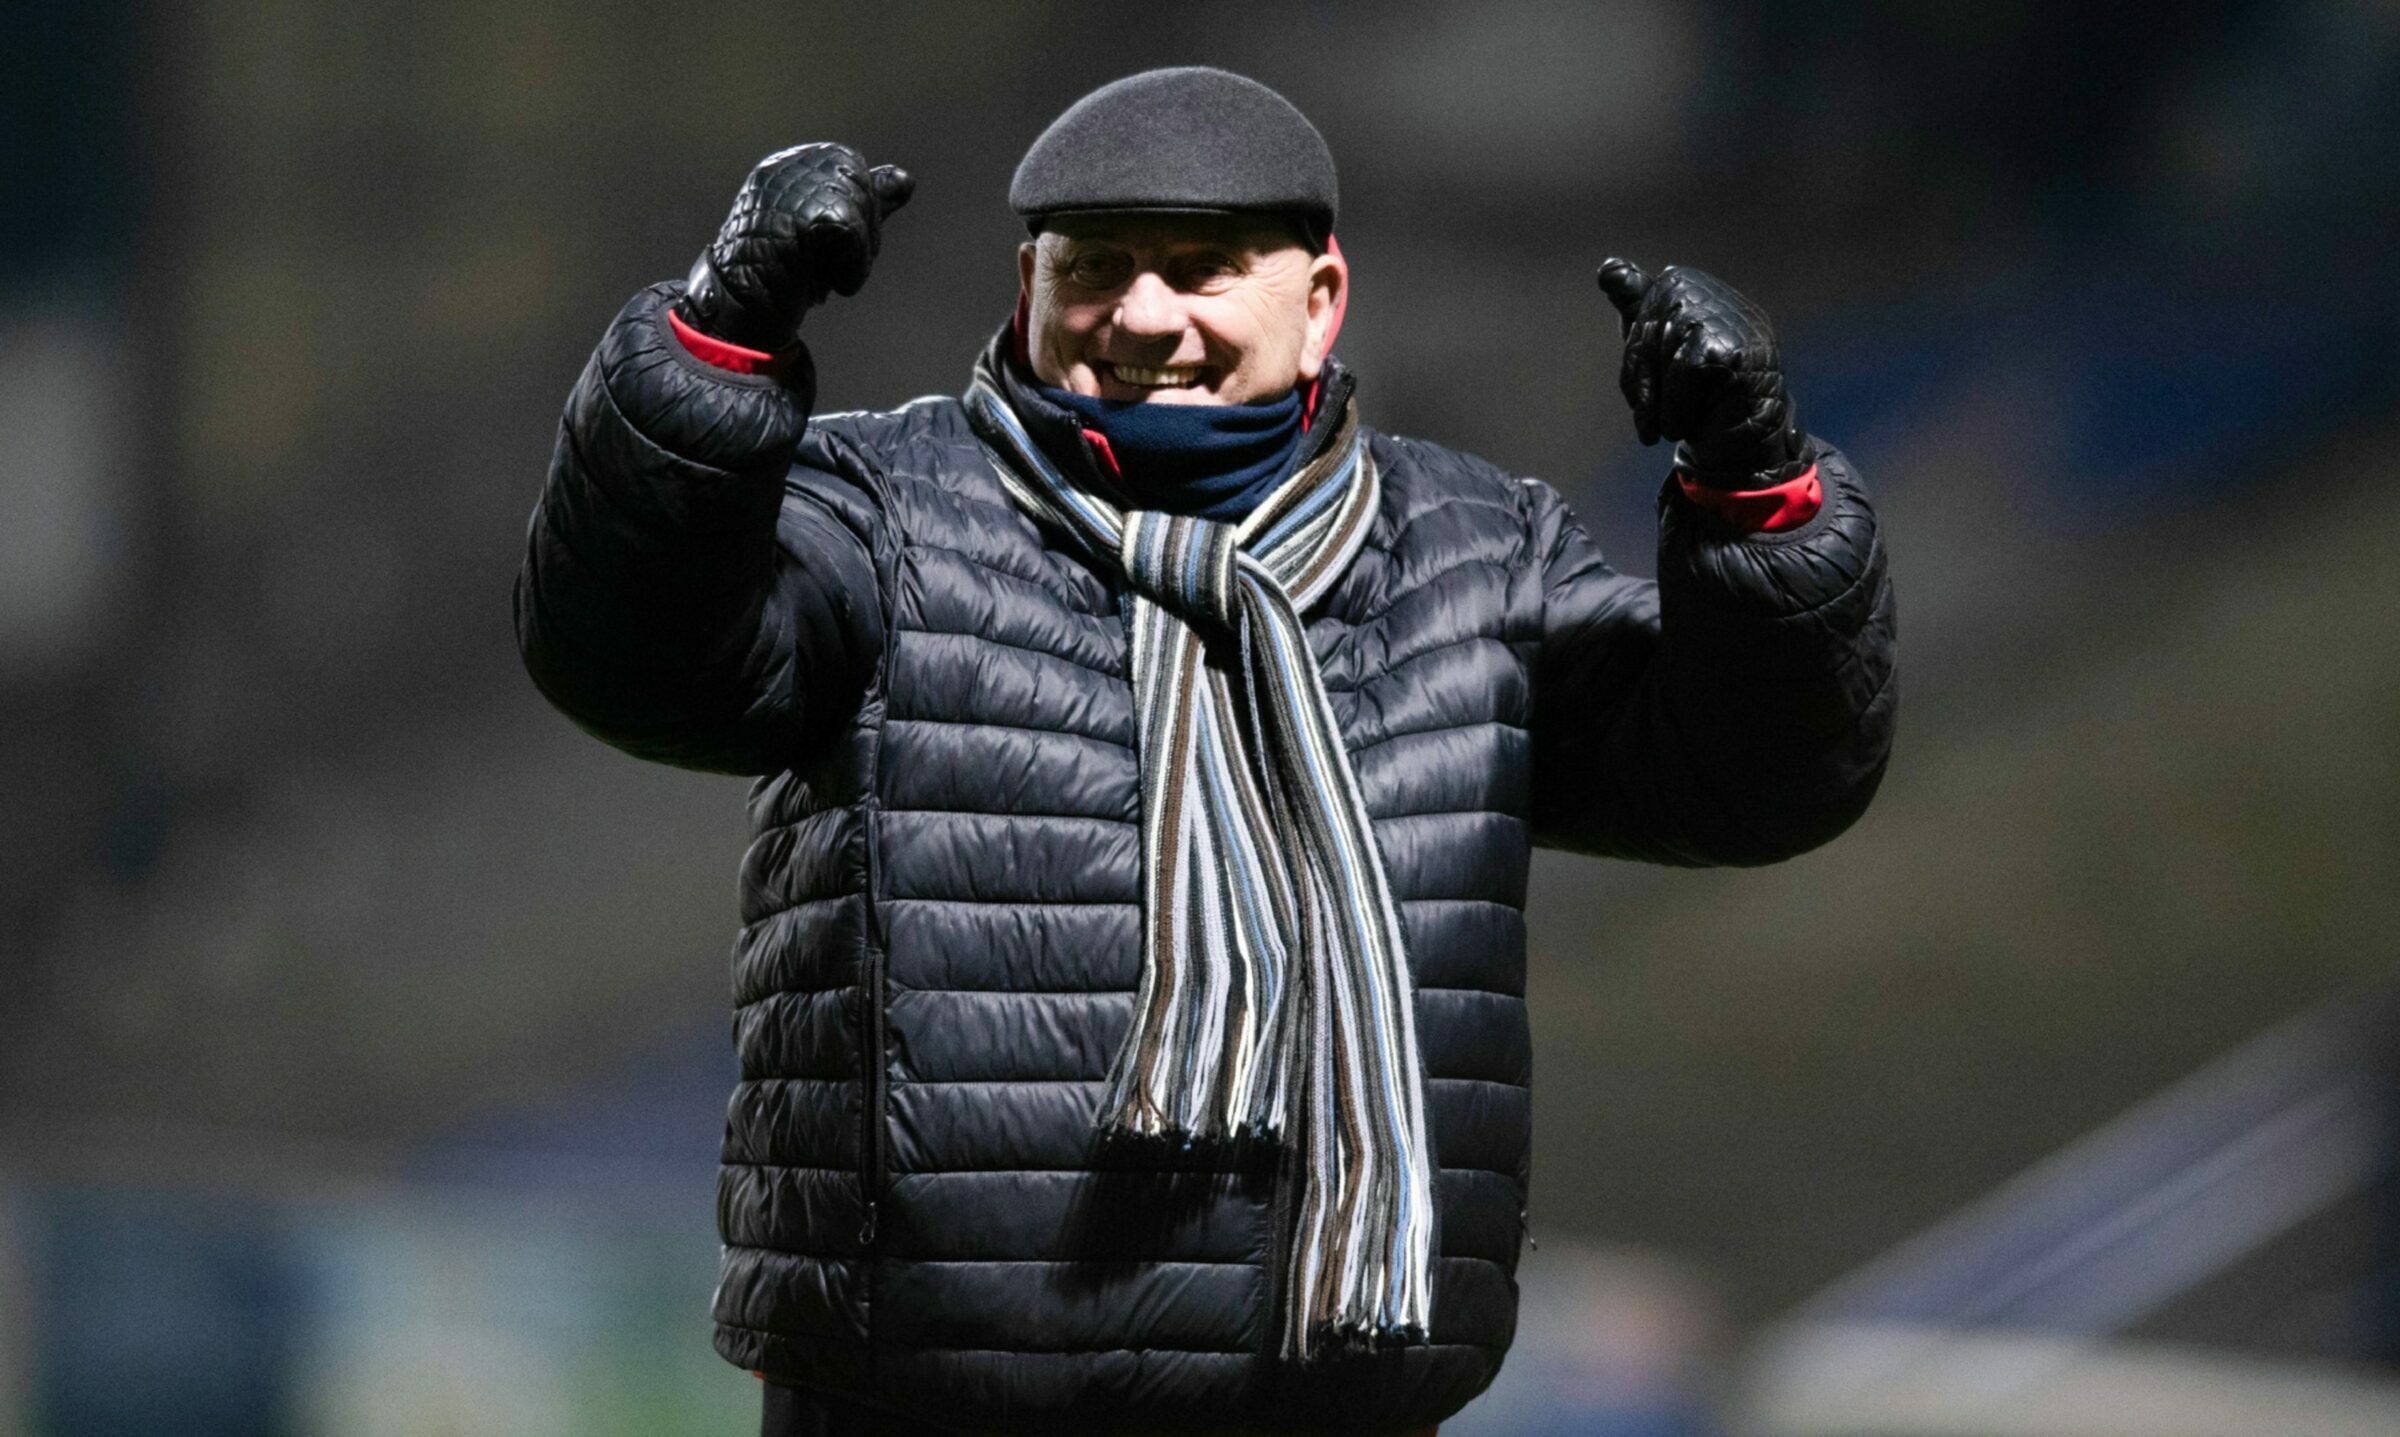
(1207, 272)
(1098, 269)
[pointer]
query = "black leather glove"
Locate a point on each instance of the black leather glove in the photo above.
(1701, 366)
(808, 222)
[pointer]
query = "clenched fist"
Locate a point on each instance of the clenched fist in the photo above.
(808, 222)
(1701, 366)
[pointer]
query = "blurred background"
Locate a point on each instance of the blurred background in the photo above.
(363, 1026)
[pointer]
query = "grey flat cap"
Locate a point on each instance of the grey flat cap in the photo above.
(1187, 138)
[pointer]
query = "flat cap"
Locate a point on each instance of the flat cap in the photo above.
(1187, 138)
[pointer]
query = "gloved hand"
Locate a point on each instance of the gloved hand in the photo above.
(1701, 366)
(808, 221)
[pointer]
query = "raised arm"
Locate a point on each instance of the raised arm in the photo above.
(688, 595)
(1739, 709)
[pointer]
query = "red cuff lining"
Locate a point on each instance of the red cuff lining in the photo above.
(717, 352)
(1760, 511)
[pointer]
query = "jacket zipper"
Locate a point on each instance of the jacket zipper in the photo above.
(873, 1162)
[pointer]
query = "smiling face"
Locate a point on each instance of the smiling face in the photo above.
(1177, 308)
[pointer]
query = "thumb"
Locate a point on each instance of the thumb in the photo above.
(1624, 283)
(891, 186)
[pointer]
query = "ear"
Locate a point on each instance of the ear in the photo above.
(1328, 297)
(1024, 271)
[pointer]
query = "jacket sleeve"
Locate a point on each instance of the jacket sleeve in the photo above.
(688, 595)
(1739, 710)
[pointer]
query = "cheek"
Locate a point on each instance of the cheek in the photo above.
(1060, 329)
(1270, 329)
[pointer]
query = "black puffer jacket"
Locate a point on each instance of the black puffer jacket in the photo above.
(938, 954)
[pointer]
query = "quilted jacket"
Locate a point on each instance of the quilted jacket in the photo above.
(937, 955)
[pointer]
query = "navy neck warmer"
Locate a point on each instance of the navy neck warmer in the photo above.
(1209, 461)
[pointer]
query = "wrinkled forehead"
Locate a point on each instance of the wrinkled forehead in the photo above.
(1168, 230)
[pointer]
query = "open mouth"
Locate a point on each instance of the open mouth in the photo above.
(1179, 376)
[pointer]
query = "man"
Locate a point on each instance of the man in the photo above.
(1149, 751)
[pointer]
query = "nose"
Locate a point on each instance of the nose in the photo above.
(1150, 308)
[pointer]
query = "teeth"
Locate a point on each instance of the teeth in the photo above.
(1156, 378)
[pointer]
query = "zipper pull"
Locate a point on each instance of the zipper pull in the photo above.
(1525, 1224)
(866, 1230)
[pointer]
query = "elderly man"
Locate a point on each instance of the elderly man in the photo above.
(1149, 752)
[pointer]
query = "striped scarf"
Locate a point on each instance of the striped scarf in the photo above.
(1275, 1003)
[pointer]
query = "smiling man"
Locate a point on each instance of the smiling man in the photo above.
(1179, 309)
(1149, 753)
